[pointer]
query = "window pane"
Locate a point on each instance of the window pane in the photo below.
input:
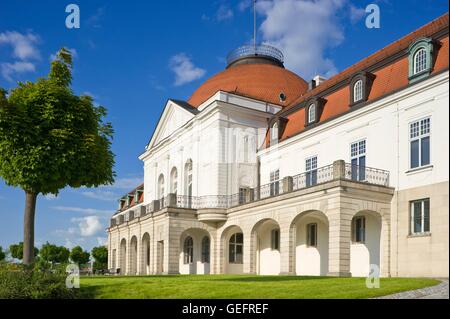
(240, 238)
(362, 168)
(314, 177)
(354, 169)
(231, 253)
(425, 154)
(417, 216)
(426, 218)
(414, 154)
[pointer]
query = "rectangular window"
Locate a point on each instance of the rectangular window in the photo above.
(420, 216)
(358, 160)
(359, 229)
(311, 171)
(274, 183)
(419, 136)
(311, 233)
(275, 239)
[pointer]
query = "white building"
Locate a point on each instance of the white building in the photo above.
(260, 172)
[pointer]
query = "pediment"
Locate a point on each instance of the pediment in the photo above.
(175, 115)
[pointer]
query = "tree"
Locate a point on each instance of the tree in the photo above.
(78, 256)
(16, 251)
(2, 254)
(100, 255)
(51, 138)
(54, 254)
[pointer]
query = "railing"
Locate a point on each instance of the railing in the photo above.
(313, 177)
(366, 174)
(338, 170)
(250, 50)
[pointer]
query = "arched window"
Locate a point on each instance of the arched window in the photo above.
(274, 132)
(236, 248)
(174, 181)
(312, 113)
(420, 61)
(188, 250)
(161, 186)
(205, 249)
(358, 91)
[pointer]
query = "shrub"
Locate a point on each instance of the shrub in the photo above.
(22, 282)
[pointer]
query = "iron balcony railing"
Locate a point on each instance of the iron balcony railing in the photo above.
(251, 50)
(362, 174)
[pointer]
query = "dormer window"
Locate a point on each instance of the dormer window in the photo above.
(360, 87)
(420, 59)
(312, 113)
(313, 110)
(358, 91)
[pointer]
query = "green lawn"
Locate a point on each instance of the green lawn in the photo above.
(243, 286)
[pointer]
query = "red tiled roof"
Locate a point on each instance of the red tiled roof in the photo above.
(388, 79)
(258, 81)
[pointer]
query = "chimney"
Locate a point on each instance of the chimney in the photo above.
(319, 80)
(311, 85)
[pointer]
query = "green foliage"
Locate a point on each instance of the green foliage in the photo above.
(2, 254)
(100, 255)
(78, 256)
(54, 254)
(16, 251)
(51, 138)
(21, 282)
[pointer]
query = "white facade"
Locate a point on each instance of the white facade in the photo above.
(217, 200)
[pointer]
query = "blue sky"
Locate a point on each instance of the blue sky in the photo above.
(131, 56)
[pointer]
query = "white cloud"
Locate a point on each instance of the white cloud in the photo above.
(89, 225)
(356, 13)
(8, 70)
(245, 4)
(128, 183)
(23, 45)
(224, 13)
(102, 241)
(303, 30)
(85, 211)
(185, 71)
(50, 197)
(101, 195)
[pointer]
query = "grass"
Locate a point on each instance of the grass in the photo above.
(242, 286)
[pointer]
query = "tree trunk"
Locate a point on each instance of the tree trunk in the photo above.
(28, 228)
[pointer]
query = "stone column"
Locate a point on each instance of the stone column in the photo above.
(339, 169)
(288, 184)
(249, 252)
(385, 264)
(172, 250)
(287, 250)
(339, 242)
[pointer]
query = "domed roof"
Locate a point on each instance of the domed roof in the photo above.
(260, 81)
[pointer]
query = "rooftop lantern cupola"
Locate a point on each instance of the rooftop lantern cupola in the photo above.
(256, 53)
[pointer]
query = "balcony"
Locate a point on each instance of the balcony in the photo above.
(213, 207)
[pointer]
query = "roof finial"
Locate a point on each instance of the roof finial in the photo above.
(254, 24)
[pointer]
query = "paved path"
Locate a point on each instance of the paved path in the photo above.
(439, 291)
